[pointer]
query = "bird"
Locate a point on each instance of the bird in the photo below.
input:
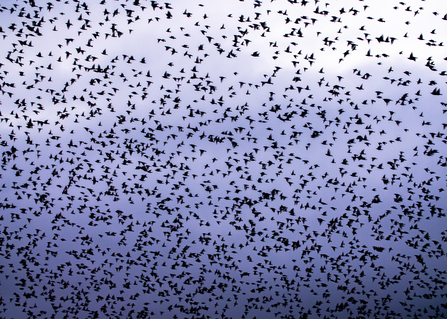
(230, 160)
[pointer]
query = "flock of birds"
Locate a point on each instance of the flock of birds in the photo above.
(245, 159)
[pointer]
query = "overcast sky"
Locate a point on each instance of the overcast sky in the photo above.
(234, 159)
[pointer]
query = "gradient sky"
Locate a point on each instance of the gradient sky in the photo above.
(233, 159)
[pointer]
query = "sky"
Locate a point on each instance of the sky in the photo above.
(232, 159)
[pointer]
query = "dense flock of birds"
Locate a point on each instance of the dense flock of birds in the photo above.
(232, 159)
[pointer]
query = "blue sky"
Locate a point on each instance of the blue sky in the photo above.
(241, 159)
